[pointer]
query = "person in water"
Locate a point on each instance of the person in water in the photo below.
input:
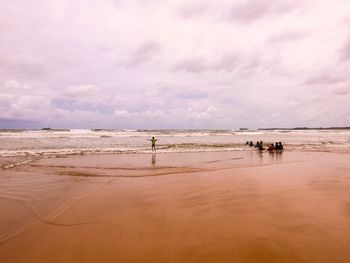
(261, 147)
(257, 144)
(277, 146)
(271, 148)
(251, 143)
(280, 146)
(153, 141)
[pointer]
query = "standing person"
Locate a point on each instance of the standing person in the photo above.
(153, 141)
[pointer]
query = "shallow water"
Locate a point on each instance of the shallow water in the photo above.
(41, 142)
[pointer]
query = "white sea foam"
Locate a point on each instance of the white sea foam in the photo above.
(57, 142)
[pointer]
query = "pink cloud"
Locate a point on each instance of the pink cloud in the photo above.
(252, 10)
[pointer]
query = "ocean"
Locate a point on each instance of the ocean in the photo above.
(62, 142)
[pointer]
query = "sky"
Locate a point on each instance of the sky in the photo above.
(195, 64)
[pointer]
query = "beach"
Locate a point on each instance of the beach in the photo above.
(186, 131)
(242, 206)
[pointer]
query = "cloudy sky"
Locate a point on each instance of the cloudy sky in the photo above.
(174, 64)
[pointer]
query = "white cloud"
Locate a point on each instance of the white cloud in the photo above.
(136, 116)
(12, 83)
(23, 107)
(80, 91)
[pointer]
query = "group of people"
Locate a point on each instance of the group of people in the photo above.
(278, 146)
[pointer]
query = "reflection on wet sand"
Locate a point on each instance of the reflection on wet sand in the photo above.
(275, 156)
(198, 207)
(153, 162)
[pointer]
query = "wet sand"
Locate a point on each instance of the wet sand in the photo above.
(178, 207)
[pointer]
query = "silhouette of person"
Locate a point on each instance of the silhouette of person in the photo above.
(280, 146)
(153, 141)
(271, 148)
(251, 143)
(261, 147)
(277, 147)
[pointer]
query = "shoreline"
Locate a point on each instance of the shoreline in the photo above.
(13, 161)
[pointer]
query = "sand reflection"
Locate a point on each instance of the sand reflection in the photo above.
(210, 207)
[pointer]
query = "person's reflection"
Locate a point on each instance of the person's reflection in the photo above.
(276, 156)
(279, 155)
(153, 162)
(260, 156)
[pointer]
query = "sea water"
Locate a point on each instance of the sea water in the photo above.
(61, 142)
